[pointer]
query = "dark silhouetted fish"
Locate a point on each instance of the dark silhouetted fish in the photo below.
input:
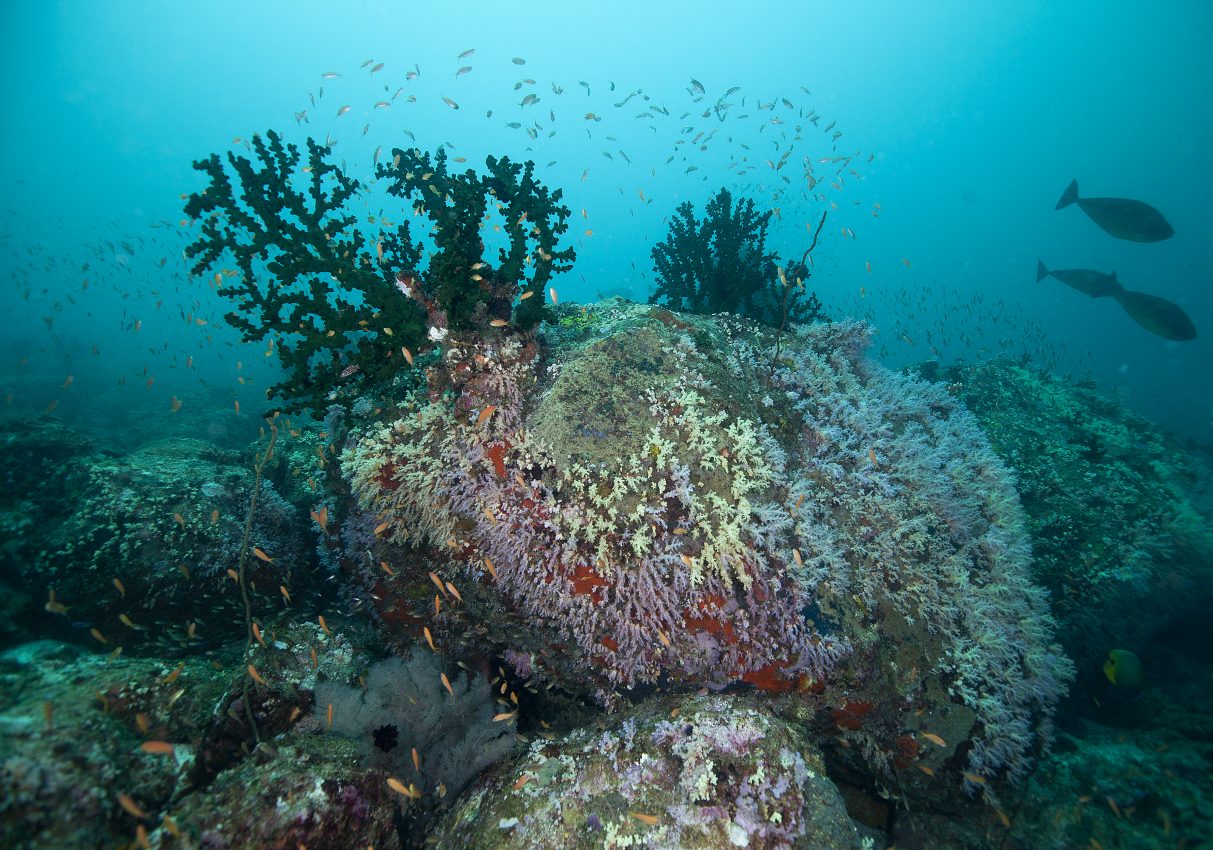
(1122, 217)
(1086, 281)
(1157, 315)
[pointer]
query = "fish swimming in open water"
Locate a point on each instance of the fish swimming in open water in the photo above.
(1122, 217)
(1087, 281)
(1157, 315)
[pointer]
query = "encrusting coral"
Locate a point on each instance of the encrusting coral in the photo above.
(847, 535)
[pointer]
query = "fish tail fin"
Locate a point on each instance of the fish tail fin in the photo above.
(1041, 271)
(1069, 196)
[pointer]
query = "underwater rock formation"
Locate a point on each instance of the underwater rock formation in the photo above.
(1118, 513)
(644, 501)
(694, 773)
(135, 545)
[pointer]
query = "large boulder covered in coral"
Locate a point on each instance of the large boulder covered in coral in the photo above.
(1119, 513)
(644, 498)
(144, 552)
(709, 771)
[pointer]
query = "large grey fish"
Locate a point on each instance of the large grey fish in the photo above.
(1157, 315)
(1087, 281)
(1121, 217)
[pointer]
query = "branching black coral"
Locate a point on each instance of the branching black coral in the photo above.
(339, 298)
(721, 264)
(459, 278)
(307, 277)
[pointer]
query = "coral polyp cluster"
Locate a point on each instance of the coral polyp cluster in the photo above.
(656, 505)
(653, 564)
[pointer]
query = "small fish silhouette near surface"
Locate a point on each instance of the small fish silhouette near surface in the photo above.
(1087, 281)
(1122, 217)
(1157, 315)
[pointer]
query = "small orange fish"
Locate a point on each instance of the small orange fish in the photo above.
(214, 516)
(252, 671)
(485, 414)
(437, 583)
(522, 780)
(974, 778)
(126, 621)
(96, 633)
(257, 635)
(324, 625)
(505, 715)
(315, 660)
(383, 565)
(286, 594)
(927, 770)
(498, 323)
(872, 457)
(141, 837)
(121, 589)
(453, 591)
(379, 529)
(179, 519)
(237, 404)
(552, 289)
(1002, 816)
(408, 355)
(262, 556)
(142, 723)
(428, 637)
(651, 820)
(233, 575)
(52, 606)
(934, 739)
(322, 518)
(162, 748)
(416, 761)
(868, 266)
(796, 557)
(397, 786)
(437, 604)
(329, 716)
(488, 565)
(524, 296)
(131, 807)
(172, 677)
(175, 404)
(905, 262)
(446, 683)
(67, 383)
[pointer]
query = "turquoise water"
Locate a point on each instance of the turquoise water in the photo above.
(1064, 453)
(977, 117)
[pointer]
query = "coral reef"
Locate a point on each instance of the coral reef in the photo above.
(1118, 513)
(704, 772)
(404, 708)
(638, 508)
(141, 543)
(721, 265)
